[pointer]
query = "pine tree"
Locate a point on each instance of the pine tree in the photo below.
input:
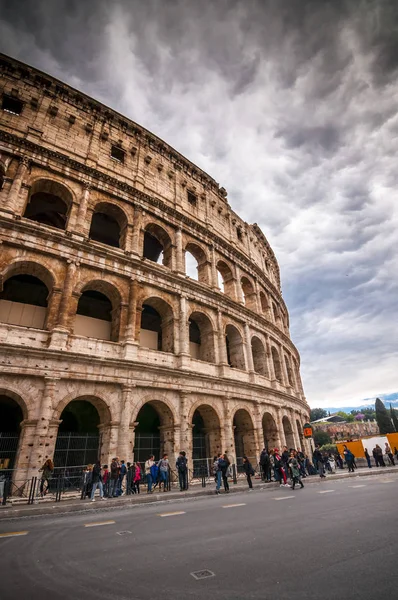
(383, 418)
(394, 417)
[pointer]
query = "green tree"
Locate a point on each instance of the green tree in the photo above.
(394, 417)
(383, 418)
(322, 438)
(346, 416)
(318, 413)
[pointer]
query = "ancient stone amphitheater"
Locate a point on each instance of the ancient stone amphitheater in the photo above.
(138, 312)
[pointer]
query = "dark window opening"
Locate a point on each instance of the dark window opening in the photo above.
(152, 247)
(10, 415)
(26, 290)
(152, 321)
(1, 179)
(12, 105)
(47, 209)
(79, 416)
(239, 234)
(192, 199)
(95, 305)
(118, 154)
(147, 434)
(228, 348)
(194, 332)
(105, 229)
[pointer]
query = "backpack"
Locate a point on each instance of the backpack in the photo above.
(123, 470)
(154, 472)
(182, 463)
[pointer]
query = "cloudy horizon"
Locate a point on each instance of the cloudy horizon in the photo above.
(293, 109)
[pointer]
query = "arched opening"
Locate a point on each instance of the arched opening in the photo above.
(249, 294)
(11, 416)
(108, 225)
(264, 303)
(275, 313)
(277, 363)
(270, 432)
(234, 344)
(289, 372)
(157, 325)
(154, 431)
(226, 280)
(2, 175)
(94, 316)
(201, 338)
(157, 245)
(49, 203)
(288, 431)
(206, 436)
(78, 440)
(259, 356)
(196, 264)
(23, 301)
(245, 443)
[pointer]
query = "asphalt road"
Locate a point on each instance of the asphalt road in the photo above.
(331, 540)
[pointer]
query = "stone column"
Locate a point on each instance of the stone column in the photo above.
(281, 432)
(285, 380)
(222, 350)
(128, 238)
(214, 276)
(44, 417)
(228, 432)
(179, 262)
(59, 333)
(270, 362)
(184, 329)
(82, 226)
(26, 445)
(296, 436)
(238, 286)
(130, 342)
(249, 354)
(135, 241)
(125, 447)
(185, 429)
(53, 303)
(11, 202)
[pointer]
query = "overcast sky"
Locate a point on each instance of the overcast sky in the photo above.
(292, 107)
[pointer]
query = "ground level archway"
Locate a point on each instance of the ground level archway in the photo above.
(270, 432)
(11, 416)
(154, 431)
(288, 431)
(245, 443)
(206, 439)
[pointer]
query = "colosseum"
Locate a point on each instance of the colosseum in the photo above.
(138, 312)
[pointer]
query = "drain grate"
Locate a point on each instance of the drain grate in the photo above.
(123, 532)
(203, 574)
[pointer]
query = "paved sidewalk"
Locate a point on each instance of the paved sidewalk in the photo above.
(48, 507)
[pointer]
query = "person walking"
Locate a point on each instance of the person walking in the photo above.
(389, 454)
(217, 472)
(349, 459)
(149, 472)
(368, 458)
(248, 469)
(224, 463)
(164, 466)
(295, 470)
(96, 480)
(280, 474)
(182, 469)
(47, 471)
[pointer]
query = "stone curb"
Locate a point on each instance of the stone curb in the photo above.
(84, 506)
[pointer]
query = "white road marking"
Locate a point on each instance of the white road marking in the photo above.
(233, 505)
(99, 523)
(13, 534)
(356, 486)
(172, 514)
(325, 491)
(284, 497)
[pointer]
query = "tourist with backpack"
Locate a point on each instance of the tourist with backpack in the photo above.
(182, 469)
(150, 471)
(96, 480)
(349, 459)
(295, 470)
(248, 469)
(224, 463)
(164, 466)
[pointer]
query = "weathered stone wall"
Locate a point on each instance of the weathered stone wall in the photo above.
(60, 143)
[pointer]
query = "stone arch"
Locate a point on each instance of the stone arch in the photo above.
(108, 224)
(157, 325)
(202, 343)
(49, 203)
(259, 356)
(235, 349)
(26, 293)
(199, 257)
(206, 436)
(277, 364)
(157, 245)
(270, 431)
(264, 303)
(98, 310)
(226, 279)
(244, 436)
(289, 372)
(154, 429)
(249, 293)
(288, 431)
(98, 401)
(13, 411)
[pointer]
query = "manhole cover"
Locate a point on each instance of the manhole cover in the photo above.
(203, 574)
(123, 532)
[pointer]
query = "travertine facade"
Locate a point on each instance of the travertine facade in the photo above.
(89, 201)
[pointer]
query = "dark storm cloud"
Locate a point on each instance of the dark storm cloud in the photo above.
(293, 107)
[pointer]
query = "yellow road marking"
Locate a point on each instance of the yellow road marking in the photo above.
(13, 534)
(233, 505)
(172, 514)
(98, 523)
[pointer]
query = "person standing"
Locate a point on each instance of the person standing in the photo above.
(164, 466)
(47, 471)
(105, 480)
(114, 478)
(368, 458)
(379, 454)
(248, 469)
(122, 475)
(182, 468)
(96, 480)
(280, 474)
(389, 454)
(318, 459)
(148, 472)
(264, 464)
(225, 463)
(217, 472)
(295, 470)
(349, 459)
(136, 477)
